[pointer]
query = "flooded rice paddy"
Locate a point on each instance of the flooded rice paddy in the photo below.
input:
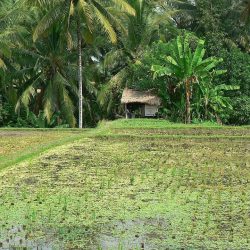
(117, 192)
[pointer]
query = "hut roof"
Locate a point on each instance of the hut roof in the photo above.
(145, 97)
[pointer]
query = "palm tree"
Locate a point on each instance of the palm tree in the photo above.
(10, 31)
(187, 66)
(4, 33)
(142, 30)
(46, 77)
(83, 13)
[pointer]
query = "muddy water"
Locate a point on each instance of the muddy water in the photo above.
(17, 238)
(139, 234)
(133, 234)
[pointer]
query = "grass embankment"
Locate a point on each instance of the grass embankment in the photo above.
(159, 188)
(164, 129)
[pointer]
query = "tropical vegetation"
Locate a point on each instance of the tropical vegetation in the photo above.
(66, 63)
(179, 180)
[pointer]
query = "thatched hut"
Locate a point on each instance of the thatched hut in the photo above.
(140, 103)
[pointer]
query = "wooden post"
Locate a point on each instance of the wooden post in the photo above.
(126, 113)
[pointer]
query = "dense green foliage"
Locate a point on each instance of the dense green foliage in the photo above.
(189, 69)
(59, 56)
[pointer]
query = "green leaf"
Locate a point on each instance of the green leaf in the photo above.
(198, 54)
(160, 71)
(56, 13)
(125, 7)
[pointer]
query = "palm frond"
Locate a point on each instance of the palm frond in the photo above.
(112, 57)
(25, 98)
(66, 104)
(125, 7)
(48, 20)
(48, 100)
(2, 64)
(86, 10)
(104, 22)
(115, 83)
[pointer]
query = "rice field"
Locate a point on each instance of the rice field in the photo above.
(139, 184)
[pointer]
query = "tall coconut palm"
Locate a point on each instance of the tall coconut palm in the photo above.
(46, 78)
(4, 33)
(82, 13)
(188, 66)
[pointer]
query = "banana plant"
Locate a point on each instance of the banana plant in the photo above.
(214, 100)
(187, 66)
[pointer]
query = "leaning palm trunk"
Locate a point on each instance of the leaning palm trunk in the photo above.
(80, 79)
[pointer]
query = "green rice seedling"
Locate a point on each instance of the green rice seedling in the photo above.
(65, 205)
(176, 188)
(207, 219)
(100, 193)
(173, 192)
(174, 172)
(49, 214)
(60, 198)
(93, 214)
(102, 185)
(24, 193)
(32, 216)
(132, 180)
(99, 248)
(85, 196)
(165, 170)
(243, 197)
(209, 198)
(219, 196)
(142, 177)
(120, 246)
(154, 175)
(109, 183)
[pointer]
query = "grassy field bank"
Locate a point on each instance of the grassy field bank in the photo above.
(141, 184)
(21, 144)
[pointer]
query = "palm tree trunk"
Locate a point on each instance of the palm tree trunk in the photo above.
(80, 79)
(188, 106)
(39, 100)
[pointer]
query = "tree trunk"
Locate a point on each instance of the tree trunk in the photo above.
(39, 101)
(80, 79)
(218, 120)
(188, 106)
(206, 110)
